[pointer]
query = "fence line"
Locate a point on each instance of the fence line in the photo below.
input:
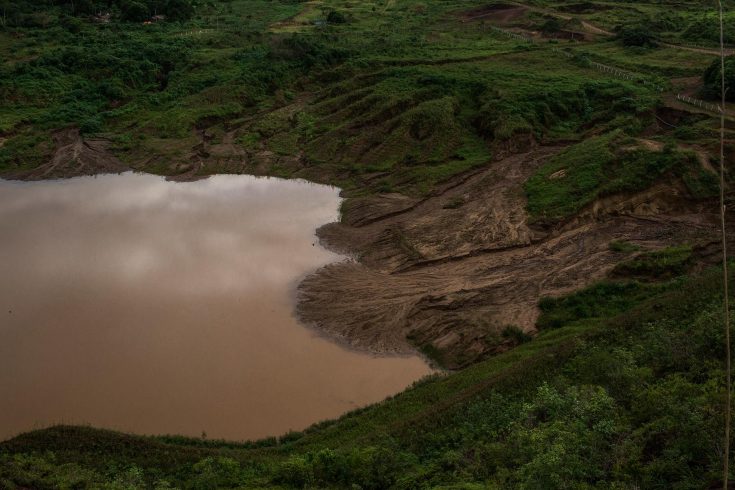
(712, 47)
(627, 75)
(194, 32)
(699, 103)
(512, 34)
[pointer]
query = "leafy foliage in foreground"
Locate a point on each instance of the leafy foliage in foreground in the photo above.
(713, 80)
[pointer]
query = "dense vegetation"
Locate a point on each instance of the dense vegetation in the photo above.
(713, 80)
(605, 165)
(35, 13)
(331, 93)
(622, 387)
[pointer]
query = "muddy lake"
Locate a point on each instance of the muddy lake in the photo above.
(133, 303)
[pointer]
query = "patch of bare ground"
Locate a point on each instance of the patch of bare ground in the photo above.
(596, 30)
(217, 151)
(73, 156)
(448, 273)
(298, 20)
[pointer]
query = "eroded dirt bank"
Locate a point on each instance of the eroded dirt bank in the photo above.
(449, 273)
(74, 156)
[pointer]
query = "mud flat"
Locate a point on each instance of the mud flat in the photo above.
(449, 273)
(133, 303)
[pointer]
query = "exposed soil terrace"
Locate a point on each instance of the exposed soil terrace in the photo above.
(447, 274)
(73, 156)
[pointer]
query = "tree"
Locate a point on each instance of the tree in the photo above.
(713, 79)
(551, 26)
(82, 7)
(639, 35)
(179, 9)
(334, 17)
(133, 11)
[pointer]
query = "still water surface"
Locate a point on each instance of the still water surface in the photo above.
(142, 305)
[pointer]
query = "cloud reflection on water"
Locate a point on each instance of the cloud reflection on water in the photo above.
(154, 306)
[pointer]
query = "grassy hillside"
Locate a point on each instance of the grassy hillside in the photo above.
(622, 386)
(272, 87)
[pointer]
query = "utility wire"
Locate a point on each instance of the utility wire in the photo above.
(726, 306)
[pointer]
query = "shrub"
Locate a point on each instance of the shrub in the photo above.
(668, 262)
(637, 36)
(551, 26)
(133, 11)
(712, 79)
(623, 247)
(179, 9)
(336, 17)
(516, 334)
(601, 300)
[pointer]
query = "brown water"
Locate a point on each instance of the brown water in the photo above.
(142, 305)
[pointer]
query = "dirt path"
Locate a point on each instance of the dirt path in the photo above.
(296, 21)
(713, 52)
(452, 274)
(499, 13)
(596, 30)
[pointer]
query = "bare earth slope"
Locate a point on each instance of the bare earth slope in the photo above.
(73, 156)
(449, 273)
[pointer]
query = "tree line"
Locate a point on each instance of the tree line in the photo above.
(19, 13)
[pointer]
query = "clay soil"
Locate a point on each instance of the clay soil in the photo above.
(74, 156)
(449, 273)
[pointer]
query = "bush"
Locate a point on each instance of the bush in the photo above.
(369, 468)
(669, 262)
(133, 11)
(636, 36)
(713, 76)
(335, 17)
(604, 299)
(179, 9)
(516, 334)
(551, 26)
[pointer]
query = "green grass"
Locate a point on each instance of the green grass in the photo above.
(661, 61)
(623, 247)
(600, 166)
(670, 261)
(419, 104)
